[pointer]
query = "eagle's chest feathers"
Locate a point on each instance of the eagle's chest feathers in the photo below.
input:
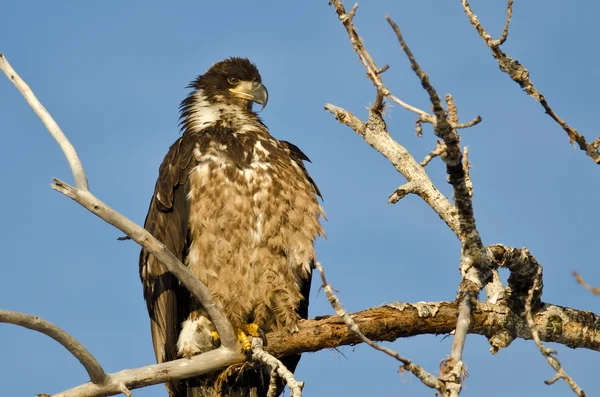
(253, 220)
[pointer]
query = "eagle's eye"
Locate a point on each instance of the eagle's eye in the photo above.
(233, 80)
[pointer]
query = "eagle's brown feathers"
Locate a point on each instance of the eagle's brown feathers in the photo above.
(238, 207)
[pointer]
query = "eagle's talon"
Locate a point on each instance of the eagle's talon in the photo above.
(254, 330)
(244, 340)
(215, 339)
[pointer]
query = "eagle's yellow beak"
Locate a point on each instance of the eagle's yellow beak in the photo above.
(253, 91)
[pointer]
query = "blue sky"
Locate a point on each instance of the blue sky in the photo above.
(113, 73)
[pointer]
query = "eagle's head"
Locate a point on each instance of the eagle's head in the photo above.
(231, 85)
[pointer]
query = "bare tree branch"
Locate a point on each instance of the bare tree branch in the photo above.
(546, 352)
(523, 269)
(89, 362)
(520, 75)
(395, 320)
(425, 377)
(504, 35)
(581, 281)
(140, 235)
(130, 379)
(51, 125)
(466, 168)
(375, 133)
(277, 368)
(439, 148)
(83, 196)
(475, 265)
(373, 72)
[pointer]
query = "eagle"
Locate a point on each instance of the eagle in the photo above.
(239, 209)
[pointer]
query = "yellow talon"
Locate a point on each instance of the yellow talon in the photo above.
(243, 338)
(253, 330)
(215, 338)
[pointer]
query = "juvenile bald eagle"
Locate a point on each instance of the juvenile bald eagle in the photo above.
(238, 207)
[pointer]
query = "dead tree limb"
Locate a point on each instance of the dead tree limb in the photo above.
(550, 354)
(517, 72)
(570, 327)
(89, 362)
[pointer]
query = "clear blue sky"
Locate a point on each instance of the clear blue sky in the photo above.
(113, 74)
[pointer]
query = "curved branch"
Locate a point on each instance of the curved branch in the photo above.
(89, 362)
(51, 125)
(141, 236)
(136, 378)
(277, 368)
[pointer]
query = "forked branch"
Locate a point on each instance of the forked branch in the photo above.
(520, 75)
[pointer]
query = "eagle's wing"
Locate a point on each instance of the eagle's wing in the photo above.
(167, 220)
(299, 157)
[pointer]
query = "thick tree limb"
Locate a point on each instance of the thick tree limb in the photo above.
(83, 196)
(570, 327)
(89, 362)
(520, 75)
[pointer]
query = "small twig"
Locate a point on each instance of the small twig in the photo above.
(466, 168)
(51, 125)
(125, 390)
(89, 362)
(452, 111)
(546, 352)
(425, 377)
(506, 24)
(419, 127)
(440, 147)
(581, 281)
(520, 75)
(373, 72)
(403, 191)
(468, 124)
(276, 367)
(424, 116)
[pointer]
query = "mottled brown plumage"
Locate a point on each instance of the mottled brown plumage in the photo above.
(238, 207)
